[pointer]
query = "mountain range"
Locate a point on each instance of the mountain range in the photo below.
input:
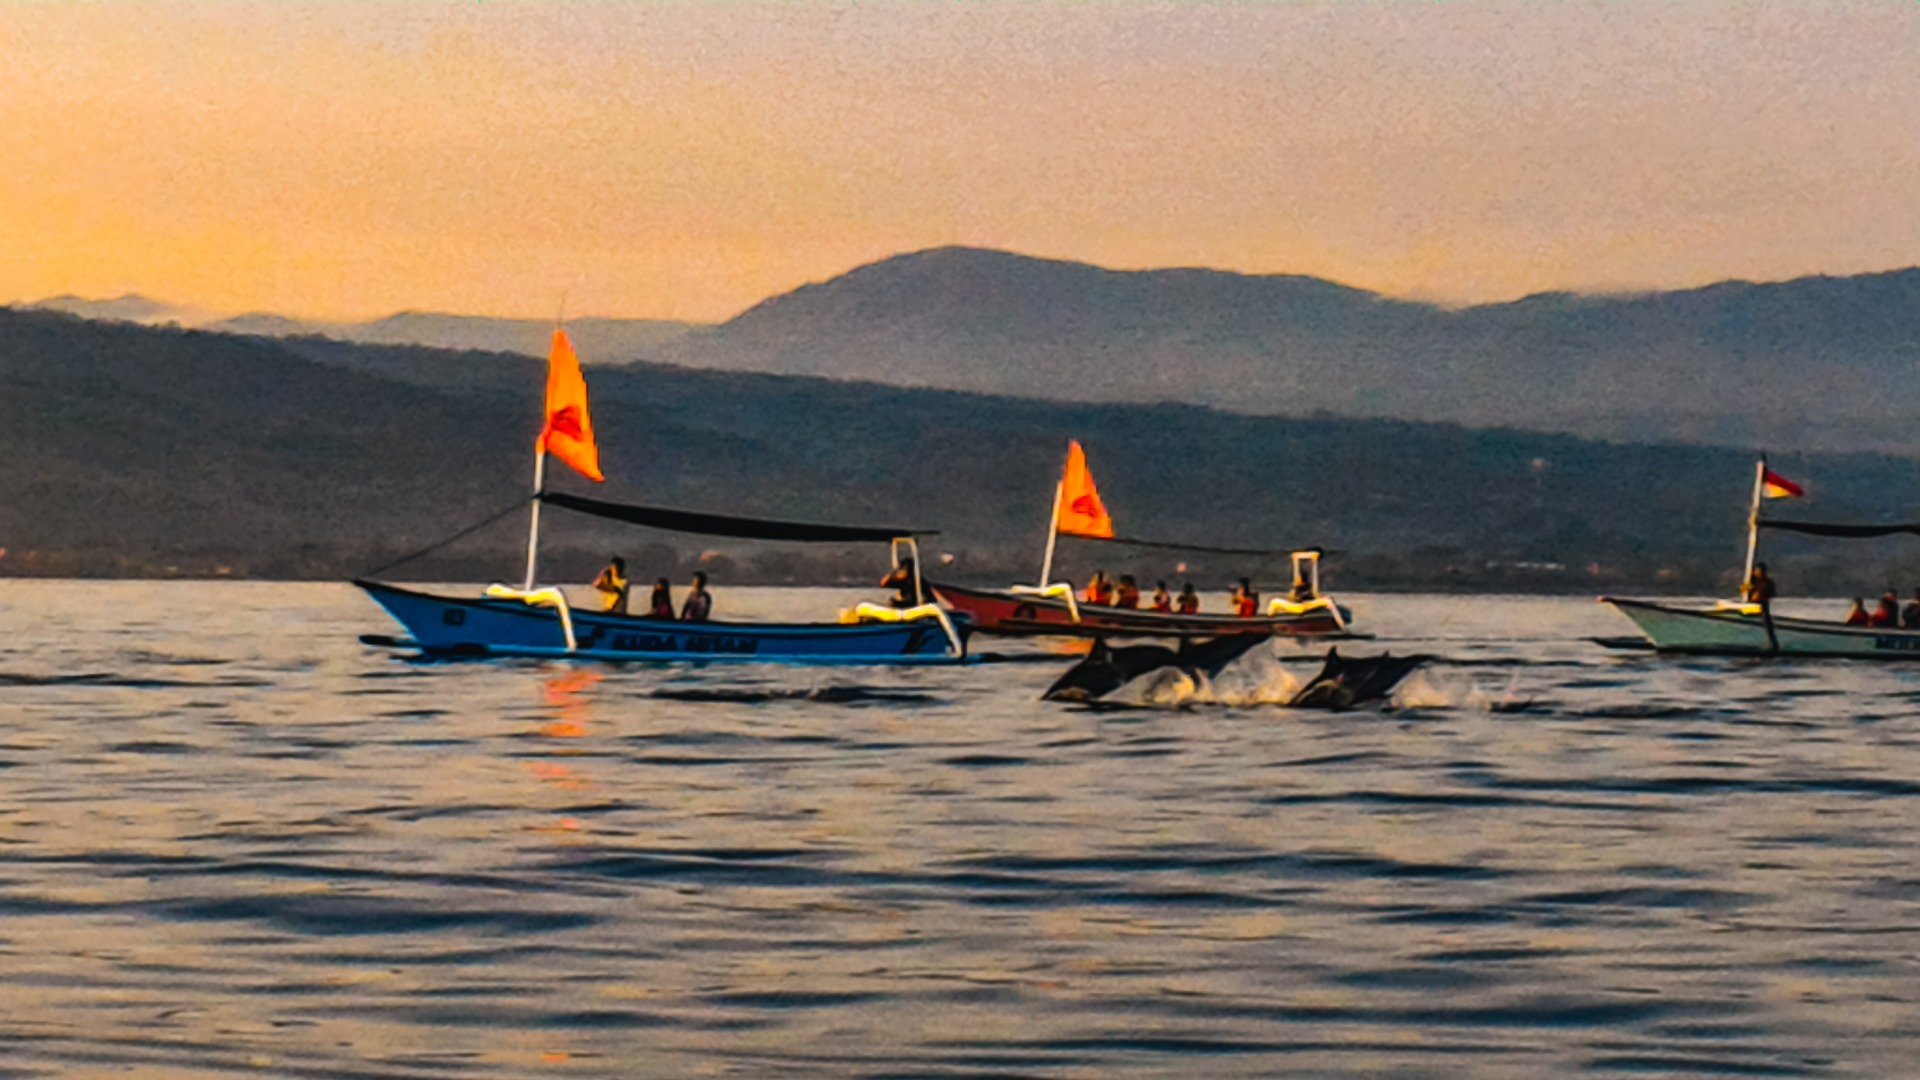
(131, 450)
(1820, 363)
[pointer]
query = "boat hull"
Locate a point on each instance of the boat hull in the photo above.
(484, 627)
(1707, 632)
(998, 611)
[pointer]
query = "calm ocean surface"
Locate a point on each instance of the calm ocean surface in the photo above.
(234, 841)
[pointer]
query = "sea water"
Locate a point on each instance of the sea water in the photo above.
(235, 841)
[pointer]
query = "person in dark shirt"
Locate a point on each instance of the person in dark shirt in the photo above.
(1759, 587)
(1189, 603)
(1910, 615)
(1128, 595)
(901, 580)
(661, 606)
(699, 605)
(612, 585)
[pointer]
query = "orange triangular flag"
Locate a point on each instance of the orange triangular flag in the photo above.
(568, 432)
(1081, 511)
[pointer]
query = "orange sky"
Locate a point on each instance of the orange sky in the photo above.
(347, 159)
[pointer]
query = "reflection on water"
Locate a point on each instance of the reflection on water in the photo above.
(233, 841)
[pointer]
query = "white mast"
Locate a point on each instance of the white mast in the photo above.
(1753, 520)
(533, 524)
(1053, 532)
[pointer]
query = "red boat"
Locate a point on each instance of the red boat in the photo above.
(1052, 607)
(1023, 612)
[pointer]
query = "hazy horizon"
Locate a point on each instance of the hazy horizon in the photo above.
(685, 160)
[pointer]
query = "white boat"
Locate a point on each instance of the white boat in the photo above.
(1741, 628)
(1745, 630)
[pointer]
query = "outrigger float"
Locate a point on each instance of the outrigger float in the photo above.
(1051, 607)
(533, 621)
(1745, 628)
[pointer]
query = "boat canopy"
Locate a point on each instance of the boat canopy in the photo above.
(1853, 532)
(688, 521)
(1173, 545)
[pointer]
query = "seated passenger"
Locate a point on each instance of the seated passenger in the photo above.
(1189, 600)
(612, 585)
(1246, 602)
(1161, 601)
(901, 580)
(699, 605)
(1857, 614)
(1099, 591)
(1910, 615)
(1128, 595)
(661, 606)
(1759, 587)
(1887, 612)
(1301, 592)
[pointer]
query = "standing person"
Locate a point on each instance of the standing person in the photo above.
(1128, 595)
(612, 585)
(1759, 587)
(1099, 590)
(661, 606)
(1161, 602)
(699, 605)
(1189, 600)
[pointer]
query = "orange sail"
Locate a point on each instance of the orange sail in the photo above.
(1081, 512)
(568, 432)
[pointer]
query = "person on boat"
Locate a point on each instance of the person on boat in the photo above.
(1161, 601)
(1189, 600)
(901, 580)
(1246, 601)
(1301, 590)
(661, 606)
(612, 584)
(1759, 587)
(1857, 614)
(699, 605)
(1099, 590)
(1887, 612)
(1910, 615)
(1128, 594)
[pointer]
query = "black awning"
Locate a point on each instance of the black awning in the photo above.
(1174, 545)
(1852, 532)
(688, 521)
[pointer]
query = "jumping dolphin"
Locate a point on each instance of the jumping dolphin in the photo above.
(1343, 684)
(1107, 669)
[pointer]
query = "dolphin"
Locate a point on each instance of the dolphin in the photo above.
(1343, 683)
(1107, 669)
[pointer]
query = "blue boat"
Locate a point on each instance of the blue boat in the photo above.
(480, 627)
(540, 622)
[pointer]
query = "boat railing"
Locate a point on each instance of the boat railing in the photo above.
(1059, 588)
(1282, 606)
(869, 612)
(547, 597)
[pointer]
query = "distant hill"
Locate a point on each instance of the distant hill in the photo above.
(129, 450)
(1814, 363)
(598, 341)
(131, 307)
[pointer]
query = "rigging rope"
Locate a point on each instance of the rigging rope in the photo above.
(518, 504)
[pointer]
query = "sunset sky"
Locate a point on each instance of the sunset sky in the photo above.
(684, 160)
